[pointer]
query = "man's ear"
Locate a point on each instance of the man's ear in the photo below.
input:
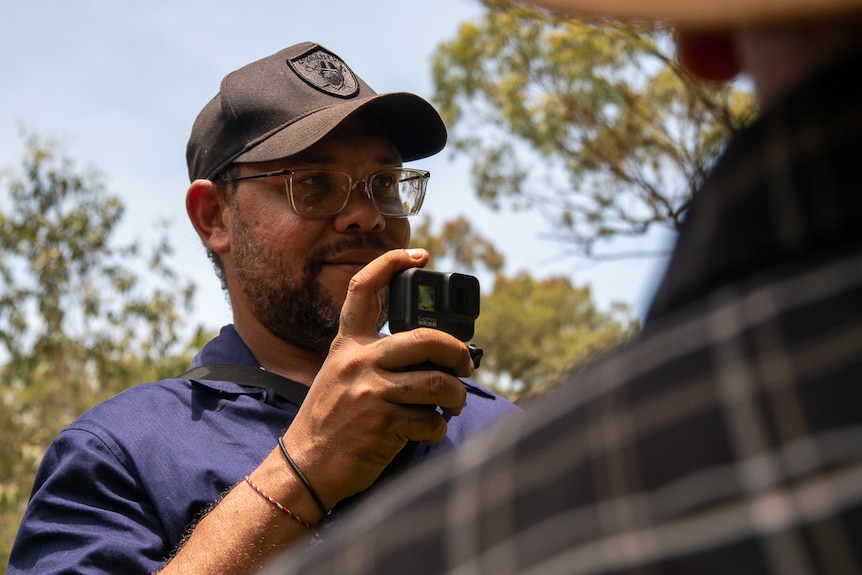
(205, 205)
(707, 55)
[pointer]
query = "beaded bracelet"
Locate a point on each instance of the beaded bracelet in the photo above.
(302, 477)
(290, 513)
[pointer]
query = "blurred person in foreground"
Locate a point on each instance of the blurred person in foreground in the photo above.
(728, 437)
(300, 197)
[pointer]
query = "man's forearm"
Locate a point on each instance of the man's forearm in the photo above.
(245, 528)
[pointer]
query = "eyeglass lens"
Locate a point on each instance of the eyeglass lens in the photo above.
(395, 193)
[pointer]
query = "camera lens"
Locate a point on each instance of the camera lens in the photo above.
(461, 296)
(464, 295)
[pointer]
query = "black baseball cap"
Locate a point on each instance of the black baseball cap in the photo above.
(285, 103)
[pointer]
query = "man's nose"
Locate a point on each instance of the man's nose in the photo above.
(360, 213)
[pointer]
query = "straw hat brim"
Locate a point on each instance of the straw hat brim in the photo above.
(703, 14)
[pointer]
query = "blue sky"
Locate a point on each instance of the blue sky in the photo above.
(120, 83)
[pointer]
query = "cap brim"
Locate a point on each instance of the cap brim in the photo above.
(414, 126)
(694, 13)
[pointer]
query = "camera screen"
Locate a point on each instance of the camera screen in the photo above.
(427, 298)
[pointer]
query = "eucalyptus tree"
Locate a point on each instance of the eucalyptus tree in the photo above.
(591, 122)
(82, 316)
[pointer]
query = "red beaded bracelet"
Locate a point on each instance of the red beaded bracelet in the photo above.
(290, 513)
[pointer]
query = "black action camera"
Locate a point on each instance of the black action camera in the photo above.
(446, 301)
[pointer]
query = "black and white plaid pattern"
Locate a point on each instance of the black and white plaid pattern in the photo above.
(727, 439)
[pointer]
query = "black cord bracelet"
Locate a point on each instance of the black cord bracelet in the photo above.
(301, 477)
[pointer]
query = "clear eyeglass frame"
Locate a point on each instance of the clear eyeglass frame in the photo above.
(324, 192)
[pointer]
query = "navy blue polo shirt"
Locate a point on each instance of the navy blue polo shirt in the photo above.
(119, 487)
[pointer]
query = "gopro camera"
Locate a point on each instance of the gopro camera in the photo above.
(446, 301)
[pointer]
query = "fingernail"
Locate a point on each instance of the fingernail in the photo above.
(415, 253)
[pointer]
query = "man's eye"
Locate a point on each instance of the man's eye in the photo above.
(315, 180)
(384, 181)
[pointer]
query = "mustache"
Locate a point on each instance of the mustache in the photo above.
(371, 243)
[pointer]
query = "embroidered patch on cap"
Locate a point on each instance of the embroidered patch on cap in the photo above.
(326, 72)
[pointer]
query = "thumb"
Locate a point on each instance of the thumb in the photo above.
(362, 305)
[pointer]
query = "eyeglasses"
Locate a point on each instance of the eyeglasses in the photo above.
(321, 192)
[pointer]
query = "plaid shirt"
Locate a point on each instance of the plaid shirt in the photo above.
(726, 439)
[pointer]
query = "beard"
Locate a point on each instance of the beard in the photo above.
(291, 303)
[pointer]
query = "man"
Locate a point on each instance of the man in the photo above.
(728, 437)
(299, 196)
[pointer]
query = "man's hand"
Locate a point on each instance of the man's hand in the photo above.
(365, 403)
